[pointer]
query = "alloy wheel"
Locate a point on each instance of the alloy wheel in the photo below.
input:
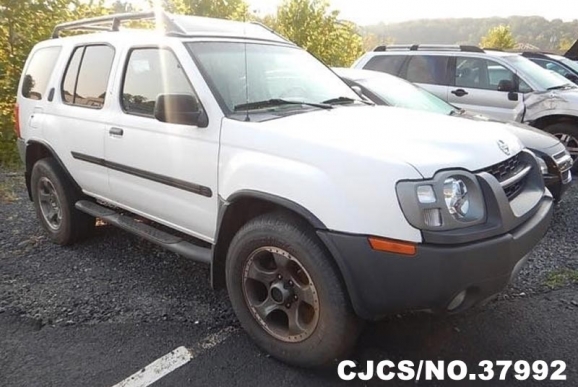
(50, 204)
(280, 294)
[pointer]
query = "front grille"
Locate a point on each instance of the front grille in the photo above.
(505, 170)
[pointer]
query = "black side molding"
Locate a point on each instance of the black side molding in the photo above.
(168, 241)
(166, 180)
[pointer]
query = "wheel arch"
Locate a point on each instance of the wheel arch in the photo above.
(37, 150)
(240, 208)
(547, 120)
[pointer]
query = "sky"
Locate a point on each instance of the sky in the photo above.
(365, 12)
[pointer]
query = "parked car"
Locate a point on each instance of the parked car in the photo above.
(310, 205)
(557, 63)
(386, 89)
(572, 52)
(497, 84)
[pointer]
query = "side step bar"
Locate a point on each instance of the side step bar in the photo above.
(170, 242)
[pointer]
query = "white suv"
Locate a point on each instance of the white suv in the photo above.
(244, 152)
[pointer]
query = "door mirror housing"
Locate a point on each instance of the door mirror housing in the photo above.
(506, 85)
(572, 77)
(181, 109)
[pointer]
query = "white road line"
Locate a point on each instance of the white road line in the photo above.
(174, 360)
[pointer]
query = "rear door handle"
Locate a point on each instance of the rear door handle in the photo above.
(116, 132)
(459, 92)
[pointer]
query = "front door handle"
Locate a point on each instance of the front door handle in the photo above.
(116, 132)
(459, 92)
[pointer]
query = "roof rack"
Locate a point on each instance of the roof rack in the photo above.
(112, 23)
(428, 47)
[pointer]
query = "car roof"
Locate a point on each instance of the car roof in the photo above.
(168, 25)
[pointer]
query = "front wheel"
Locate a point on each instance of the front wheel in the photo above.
(567, 133)
(287, 292)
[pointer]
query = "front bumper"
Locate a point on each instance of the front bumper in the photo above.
(382, 283)
(559, 177)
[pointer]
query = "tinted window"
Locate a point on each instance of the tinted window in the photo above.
(38, 72)
(87, 75)
(150, 72)
(71, 75)
(390, 64)
(481, 73)
(428, 69)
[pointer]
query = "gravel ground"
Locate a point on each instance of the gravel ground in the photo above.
(113, 277)
(116, 277)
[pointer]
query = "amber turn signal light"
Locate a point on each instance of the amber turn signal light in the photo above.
(392, 246)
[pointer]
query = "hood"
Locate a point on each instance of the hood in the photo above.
(428, 141)
(532, 138)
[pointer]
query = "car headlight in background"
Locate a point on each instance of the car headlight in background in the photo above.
(543, 165)
(449, 201)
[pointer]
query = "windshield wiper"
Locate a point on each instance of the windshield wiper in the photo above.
(345, 101)
(277, 102)
(561, 87)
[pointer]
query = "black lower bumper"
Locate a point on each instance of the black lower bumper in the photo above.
(382, 283)
(558, 184)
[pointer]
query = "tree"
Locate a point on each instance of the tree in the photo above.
(223, 9)
(565, 44)
(311, 25)
(499, 37)
(23, 23)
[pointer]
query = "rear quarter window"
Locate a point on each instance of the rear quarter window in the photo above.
(38, 73)
(428, 69)
(390, 64)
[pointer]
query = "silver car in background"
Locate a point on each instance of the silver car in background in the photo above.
(502, 85)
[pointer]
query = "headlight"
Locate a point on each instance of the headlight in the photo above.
(456, 197)
(543, 165)
(450, 200)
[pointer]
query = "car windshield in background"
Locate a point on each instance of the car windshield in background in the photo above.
(249, 76)
(568, 63)
(545, 79)
(399, 93)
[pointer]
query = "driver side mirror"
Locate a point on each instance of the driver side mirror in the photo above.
(506, 85)
(572, 77)
(181, 109)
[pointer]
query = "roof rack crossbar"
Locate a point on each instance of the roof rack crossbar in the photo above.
(271, 30)
(428, 47)
(113, 22)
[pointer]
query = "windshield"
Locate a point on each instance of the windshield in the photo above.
(542, 78)
(397, 92)
(569, 63)
(260, 77)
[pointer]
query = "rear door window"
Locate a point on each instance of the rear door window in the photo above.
(428, 69)
(38, 72)
(390, 64)
(87, 76)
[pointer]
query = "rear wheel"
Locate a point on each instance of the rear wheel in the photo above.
(567, 133)
(54, 197)
(287, 292)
